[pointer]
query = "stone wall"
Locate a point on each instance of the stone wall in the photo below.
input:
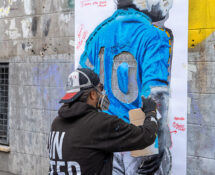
(37, 39)
(201, 88)
(201, 98)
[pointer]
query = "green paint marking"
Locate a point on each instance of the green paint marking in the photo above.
(71, 3)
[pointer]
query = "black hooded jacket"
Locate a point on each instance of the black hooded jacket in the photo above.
(82, 140)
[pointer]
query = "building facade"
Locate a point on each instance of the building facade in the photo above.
(36, 56)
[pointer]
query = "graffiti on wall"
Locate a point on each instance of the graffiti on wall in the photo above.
(7, 5)
(6, 8)
(50, 83)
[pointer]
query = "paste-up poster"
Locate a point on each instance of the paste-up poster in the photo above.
(139, 48)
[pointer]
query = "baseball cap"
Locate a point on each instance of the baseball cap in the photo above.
(78, 81)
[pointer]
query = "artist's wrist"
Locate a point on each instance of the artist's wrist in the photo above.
(151, 114)
(152, 119)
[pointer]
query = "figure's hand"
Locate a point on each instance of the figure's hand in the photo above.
(149, 106)
(150, 165)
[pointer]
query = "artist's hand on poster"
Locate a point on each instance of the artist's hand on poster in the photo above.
(149, 106)
(150, 164)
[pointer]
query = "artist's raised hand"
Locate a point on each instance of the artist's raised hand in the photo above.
(149, 107)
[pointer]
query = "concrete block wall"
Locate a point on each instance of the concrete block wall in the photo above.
(37, 39)
(201, 88)
(201, 101)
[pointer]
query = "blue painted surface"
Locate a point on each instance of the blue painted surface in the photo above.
(129, 31)
(156, 143)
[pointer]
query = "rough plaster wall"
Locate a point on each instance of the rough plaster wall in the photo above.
(201, 88)
(37, 39)
(201, 93)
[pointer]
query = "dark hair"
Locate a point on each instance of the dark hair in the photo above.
(85, 95)
(125, 4)
(155, 14)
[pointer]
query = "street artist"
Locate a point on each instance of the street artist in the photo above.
(83, 138)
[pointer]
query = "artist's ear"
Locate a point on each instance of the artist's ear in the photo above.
(93, 95)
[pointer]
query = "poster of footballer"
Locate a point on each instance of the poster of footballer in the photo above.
(139, 49)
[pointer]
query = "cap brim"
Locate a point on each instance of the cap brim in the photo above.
(70, 97)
